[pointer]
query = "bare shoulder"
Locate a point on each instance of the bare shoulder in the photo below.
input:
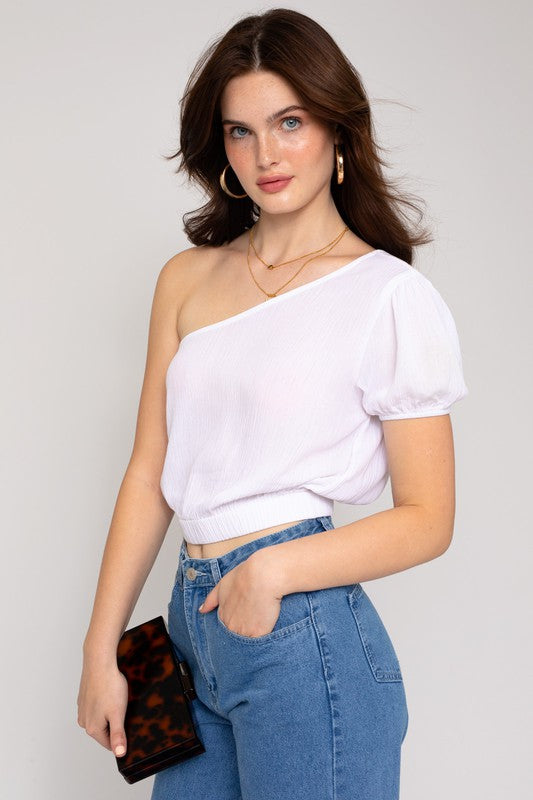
(181, 274)
(188, 265)
(197, 285)
(195, 263)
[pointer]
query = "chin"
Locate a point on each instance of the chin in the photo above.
(277, 205)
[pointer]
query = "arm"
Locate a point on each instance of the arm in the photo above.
(409, 375)
(419, 528)
(139, 523)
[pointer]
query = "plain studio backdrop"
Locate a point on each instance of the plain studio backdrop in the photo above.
(90, 212)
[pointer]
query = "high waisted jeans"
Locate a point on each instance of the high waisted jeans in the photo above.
(313, 710)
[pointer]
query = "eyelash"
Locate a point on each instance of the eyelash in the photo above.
(241, 127)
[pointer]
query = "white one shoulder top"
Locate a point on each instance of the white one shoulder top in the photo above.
(274, 413)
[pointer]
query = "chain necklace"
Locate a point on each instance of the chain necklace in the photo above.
(282, 264)
(273, 294)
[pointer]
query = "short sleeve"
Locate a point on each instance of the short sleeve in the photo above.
(412, 364)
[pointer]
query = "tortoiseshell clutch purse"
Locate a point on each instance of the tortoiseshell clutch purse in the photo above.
(158, 724)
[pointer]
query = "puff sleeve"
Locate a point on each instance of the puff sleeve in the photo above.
(411, 365)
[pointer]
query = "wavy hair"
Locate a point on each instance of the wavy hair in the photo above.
(331, 88)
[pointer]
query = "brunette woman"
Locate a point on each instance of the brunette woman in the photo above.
(295, 357)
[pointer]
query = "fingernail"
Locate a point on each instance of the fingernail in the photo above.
(120, 750)
(201, 607)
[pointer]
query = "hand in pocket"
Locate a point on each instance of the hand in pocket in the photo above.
(249, 596)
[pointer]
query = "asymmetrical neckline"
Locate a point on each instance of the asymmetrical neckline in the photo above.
(268, 303)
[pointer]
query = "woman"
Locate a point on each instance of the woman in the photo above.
(255, 417)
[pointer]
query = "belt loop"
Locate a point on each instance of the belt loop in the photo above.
(215, 569)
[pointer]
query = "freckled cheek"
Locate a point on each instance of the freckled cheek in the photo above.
(241, 157)
(307, 151)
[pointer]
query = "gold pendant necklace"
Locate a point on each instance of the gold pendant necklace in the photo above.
(273, 294)
(282, 264)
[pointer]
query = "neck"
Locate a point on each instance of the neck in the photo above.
(278, 237)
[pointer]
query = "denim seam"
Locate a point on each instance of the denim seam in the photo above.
(212, 687)
(215, 571)
(332, 693)
(195, 649)
(388, 674)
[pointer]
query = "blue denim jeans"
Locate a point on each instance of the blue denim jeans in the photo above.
(313, 710)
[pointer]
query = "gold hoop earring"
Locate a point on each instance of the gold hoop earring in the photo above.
(225, 187)
(340, 164)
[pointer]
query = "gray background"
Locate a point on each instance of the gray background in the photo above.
(90, 212)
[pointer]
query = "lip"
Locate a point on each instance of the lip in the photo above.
(273, 179)
(275, 185)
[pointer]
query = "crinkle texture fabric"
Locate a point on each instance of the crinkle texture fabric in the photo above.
(412, 365)
(276, 412)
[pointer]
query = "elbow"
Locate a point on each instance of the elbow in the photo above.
(437, 530)
(444, 539)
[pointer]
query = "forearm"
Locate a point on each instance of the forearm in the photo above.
(140, 521)
(381, 544)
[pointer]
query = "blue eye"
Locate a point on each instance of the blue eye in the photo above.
(237, 128)
(293, 119)
(285, 119)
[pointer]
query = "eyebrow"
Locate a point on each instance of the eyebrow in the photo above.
(271, 118)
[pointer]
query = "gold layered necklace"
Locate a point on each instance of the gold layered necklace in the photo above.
(314, 254)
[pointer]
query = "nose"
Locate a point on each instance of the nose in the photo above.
(267, 152)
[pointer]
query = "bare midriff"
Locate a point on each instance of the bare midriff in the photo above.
(217, 549)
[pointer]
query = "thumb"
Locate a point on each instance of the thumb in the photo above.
(210, 602)
(117, 736)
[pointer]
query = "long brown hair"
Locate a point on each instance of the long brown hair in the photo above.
(332, 89)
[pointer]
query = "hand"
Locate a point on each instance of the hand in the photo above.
(102, 702)
(249, 596)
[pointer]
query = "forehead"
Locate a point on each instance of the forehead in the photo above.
(257, 92)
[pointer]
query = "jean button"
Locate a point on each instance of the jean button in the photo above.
(191, 573)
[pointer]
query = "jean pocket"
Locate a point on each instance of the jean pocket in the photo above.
(379, 650)
(294, 615)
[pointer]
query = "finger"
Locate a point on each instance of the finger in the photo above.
(210, 602)
(99, 733)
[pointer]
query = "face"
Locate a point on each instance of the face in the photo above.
(265, 136)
